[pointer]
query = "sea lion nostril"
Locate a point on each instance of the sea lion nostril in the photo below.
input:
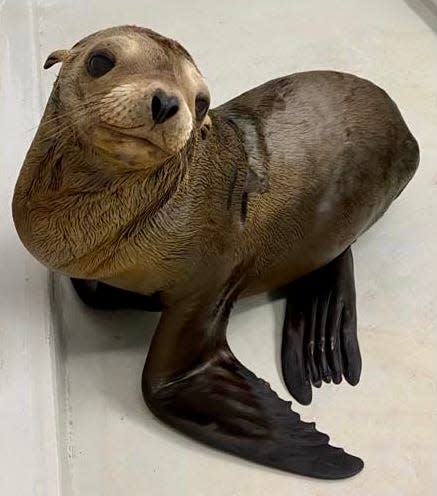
(163, 107)
(156, 107)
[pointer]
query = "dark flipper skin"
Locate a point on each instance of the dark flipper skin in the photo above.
(194, 383)
(319, 340)
(101, 296)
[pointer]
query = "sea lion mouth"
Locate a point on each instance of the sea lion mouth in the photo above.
(125, 133)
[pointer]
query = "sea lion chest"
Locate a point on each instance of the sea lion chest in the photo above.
(198, 230)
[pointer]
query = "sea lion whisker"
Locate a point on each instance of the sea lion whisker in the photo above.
(61, 131)
(85, 106)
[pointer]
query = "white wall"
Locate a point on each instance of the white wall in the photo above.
(28, 442)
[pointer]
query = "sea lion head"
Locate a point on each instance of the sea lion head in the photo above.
(130, 94)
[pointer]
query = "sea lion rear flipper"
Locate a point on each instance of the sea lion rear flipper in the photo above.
(320, 329)
(194, 383)
(101, 296)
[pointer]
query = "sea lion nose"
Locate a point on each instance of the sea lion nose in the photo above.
(163, 106)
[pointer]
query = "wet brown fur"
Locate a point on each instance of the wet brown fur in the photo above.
(268, 187)
(288, 176)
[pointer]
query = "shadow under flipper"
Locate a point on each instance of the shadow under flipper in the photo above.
(101, 296)
(83, 330)
(193, 382)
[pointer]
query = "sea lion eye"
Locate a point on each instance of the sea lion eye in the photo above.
(99, 64)
(202, 105)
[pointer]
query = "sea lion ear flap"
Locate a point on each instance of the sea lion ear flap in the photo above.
(55, 57)
(206, 127)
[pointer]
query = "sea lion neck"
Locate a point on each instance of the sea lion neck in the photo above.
(66, 196)
(64, 200)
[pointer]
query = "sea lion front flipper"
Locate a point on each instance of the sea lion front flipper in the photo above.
(194, 383)
(320, 329)
(102, 296)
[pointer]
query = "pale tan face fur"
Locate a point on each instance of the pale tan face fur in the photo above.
(113, 112)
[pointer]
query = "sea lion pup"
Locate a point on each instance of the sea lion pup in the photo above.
(132, 182)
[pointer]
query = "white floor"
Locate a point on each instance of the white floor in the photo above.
(72, 421)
